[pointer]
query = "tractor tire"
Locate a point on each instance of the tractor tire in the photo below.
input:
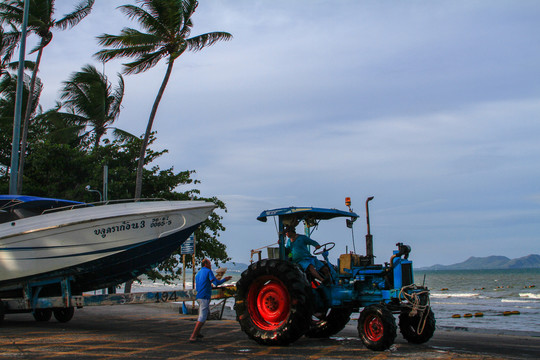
(377, 327)
(334, 321)
(273, 302)
(409, 326)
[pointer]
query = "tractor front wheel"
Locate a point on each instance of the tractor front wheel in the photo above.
(377, 327)
(272, 302)
(419, 328)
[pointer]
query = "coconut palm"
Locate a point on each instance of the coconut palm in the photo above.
(91, 100)
(168, 26)
(40, 21)
(8, 89)
(8, 42)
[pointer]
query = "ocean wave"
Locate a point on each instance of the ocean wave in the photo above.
(518, 301)
(530, 295)
(449, 295)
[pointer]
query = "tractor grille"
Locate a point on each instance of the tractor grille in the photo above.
(406, 274)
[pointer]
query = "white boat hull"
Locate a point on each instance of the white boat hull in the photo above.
(120, 239)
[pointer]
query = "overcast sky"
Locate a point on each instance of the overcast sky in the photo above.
(430, 106)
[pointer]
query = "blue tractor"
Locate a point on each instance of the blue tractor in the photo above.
(277, 302)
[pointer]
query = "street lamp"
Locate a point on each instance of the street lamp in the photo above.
(87, 188)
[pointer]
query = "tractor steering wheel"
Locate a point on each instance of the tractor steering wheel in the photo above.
(324, 247)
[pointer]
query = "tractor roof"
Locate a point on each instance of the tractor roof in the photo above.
(306, 213)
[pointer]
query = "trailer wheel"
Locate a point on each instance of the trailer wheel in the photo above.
(413, 328)
(272, 302)
(333, 322)
(42, 314)
(64, 314)
(377, 327)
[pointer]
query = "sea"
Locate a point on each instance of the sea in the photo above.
(492, 301)
(507, 300)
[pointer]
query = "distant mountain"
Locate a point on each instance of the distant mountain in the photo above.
(234, 266)
(491, 262)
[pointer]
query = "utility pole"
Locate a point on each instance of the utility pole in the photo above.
(18, 107)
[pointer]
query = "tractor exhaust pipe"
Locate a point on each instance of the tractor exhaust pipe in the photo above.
(369, 237)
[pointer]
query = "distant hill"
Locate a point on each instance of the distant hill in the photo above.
(491, 262)
(234, 266)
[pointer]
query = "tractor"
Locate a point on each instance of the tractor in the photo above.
(277, 302)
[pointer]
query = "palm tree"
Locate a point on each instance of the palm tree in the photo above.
(40, 21)
(91, 100)
(8, 42)
(168, 26)
(8, 89)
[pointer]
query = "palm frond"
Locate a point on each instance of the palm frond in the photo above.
(133, 51)
(123, 135)
(82, 10)
(45, 40)
(189, 9)
(129, 37)
(148, 21)
(8, 43)
(144, 62)
(11, 13)
(28, 65)
(199, 42)
(116, 98)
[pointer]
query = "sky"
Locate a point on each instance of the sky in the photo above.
(432, 107)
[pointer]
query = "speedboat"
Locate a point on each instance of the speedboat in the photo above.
(95, 246)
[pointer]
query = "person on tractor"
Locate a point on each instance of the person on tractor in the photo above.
(298, 246)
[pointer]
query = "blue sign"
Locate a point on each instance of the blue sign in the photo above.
(188, 246)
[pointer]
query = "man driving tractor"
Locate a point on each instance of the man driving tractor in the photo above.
(298, 245)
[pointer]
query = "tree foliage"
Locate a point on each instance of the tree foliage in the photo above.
(167, 29)
(61, 156)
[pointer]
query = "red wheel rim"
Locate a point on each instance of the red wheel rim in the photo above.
(268, 303)
(373, 328)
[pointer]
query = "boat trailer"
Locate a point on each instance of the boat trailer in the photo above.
(63, 306)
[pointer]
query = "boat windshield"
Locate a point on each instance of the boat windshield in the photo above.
(19, 207)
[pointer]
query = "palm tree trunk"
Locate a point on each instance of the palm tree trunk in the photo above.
(140, 164)
(26, 122)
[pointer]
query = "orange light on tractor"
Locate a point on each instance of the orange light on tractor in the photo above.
(348, 201)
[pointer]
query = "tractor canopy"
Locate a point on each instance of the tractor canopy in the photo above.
(308, 214)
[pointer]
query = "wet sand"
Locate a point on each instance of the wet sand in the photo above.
(160, 332)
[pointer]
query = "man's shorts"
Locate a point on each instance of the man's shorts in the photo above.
(304, 263)
(204, 309)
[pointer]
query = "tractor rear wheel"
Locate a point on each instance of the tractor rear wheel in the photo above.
(329, 324)
(419, 328)
(377, 327)
(272, 302)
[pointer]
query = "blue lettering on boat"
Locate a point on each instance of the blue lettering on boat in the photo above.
(124, 226)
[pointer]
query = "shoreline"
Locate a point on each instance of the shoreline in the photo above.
(534, 334)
